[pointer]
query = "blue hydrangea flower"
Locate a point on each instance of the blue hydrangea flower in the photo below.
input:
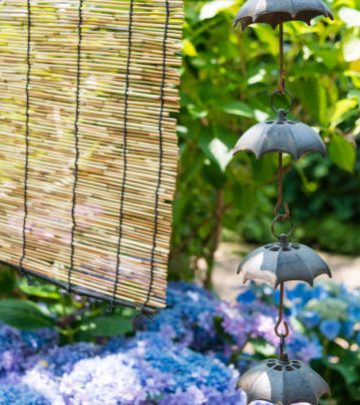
(16, 346)
(20, 395)
(247, 297)
(330, 329)
(60, 360)
(41, 339)
(303, 348)
(147, 370)
(310, 319)
(348, 329)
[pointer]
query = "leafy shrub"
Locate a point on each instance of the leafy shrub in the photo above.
(227, 80)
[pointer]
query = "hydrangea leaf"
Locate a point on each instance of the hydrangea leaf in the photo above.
(109, 326)
(23, 315)
(47, 291)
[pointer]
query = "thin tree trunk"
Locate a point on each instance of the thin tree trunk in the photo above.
(215, 237)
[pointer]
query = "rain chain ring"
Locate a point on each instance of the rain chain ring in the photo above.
(288, 95)
(282, 218)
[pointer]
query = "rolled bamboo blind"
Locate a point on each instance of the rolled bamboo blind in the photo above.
(88, 149)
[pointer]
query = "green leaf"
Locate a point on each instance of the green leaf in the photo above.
(317, 104)
(268, 37)
(342, 153)
(23, 315)
(239, 108)
(188, 48)
(357, 127)
(7, 280)
(348, 367)
(110, 325)
(220, 153)
(218, 148)
(42, 291)
(263, 348)
(342, 109)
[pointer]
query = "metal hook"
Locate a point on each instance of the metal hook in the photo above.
(281, 321)
(281, 93)
(282, 218)
(285, 326)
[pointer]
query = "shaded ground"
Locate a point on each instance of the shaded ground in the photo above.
(345, 269)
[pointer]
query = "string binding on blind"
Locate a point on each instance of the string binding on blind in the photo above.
(27, 141)
(125, 157)
(76, 144)
(161, 153)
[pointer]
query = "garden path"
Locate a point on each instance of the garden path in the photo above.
(345, 269)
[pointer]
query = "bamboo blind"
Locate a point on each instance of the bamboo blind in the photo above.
(88, 150)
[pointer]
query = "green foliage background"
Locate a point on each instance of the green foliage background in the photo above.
(227, 79)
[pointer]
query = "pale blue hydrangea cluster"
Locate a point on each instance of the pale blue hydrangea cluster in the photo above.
(329, 310)
(191, 353)
(146, 369)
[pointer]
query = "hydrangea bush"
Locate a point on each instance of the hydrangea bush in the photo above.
(191, 353)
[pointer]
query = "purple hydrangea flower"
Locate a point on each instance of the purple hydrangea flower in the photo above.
(302, 348)
(60, 360)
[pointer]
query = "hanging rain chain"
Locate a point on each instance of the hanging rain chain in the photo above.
(287, 381)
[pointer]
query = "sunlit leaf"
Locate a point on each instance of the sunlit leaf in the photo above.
(220, 152)
(268, 37)
(355, 66)
(342, 108)
(188, 48)
(47, 291)
(350, 16)
(239, 108)
(218, 146)
(352, 50)
(342, 153)
(209, 10)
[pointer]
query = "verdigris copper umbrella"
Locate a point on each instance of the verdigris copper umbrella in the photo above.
(281, 135)
(282, 261)
(274, 12)
(283, 382)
